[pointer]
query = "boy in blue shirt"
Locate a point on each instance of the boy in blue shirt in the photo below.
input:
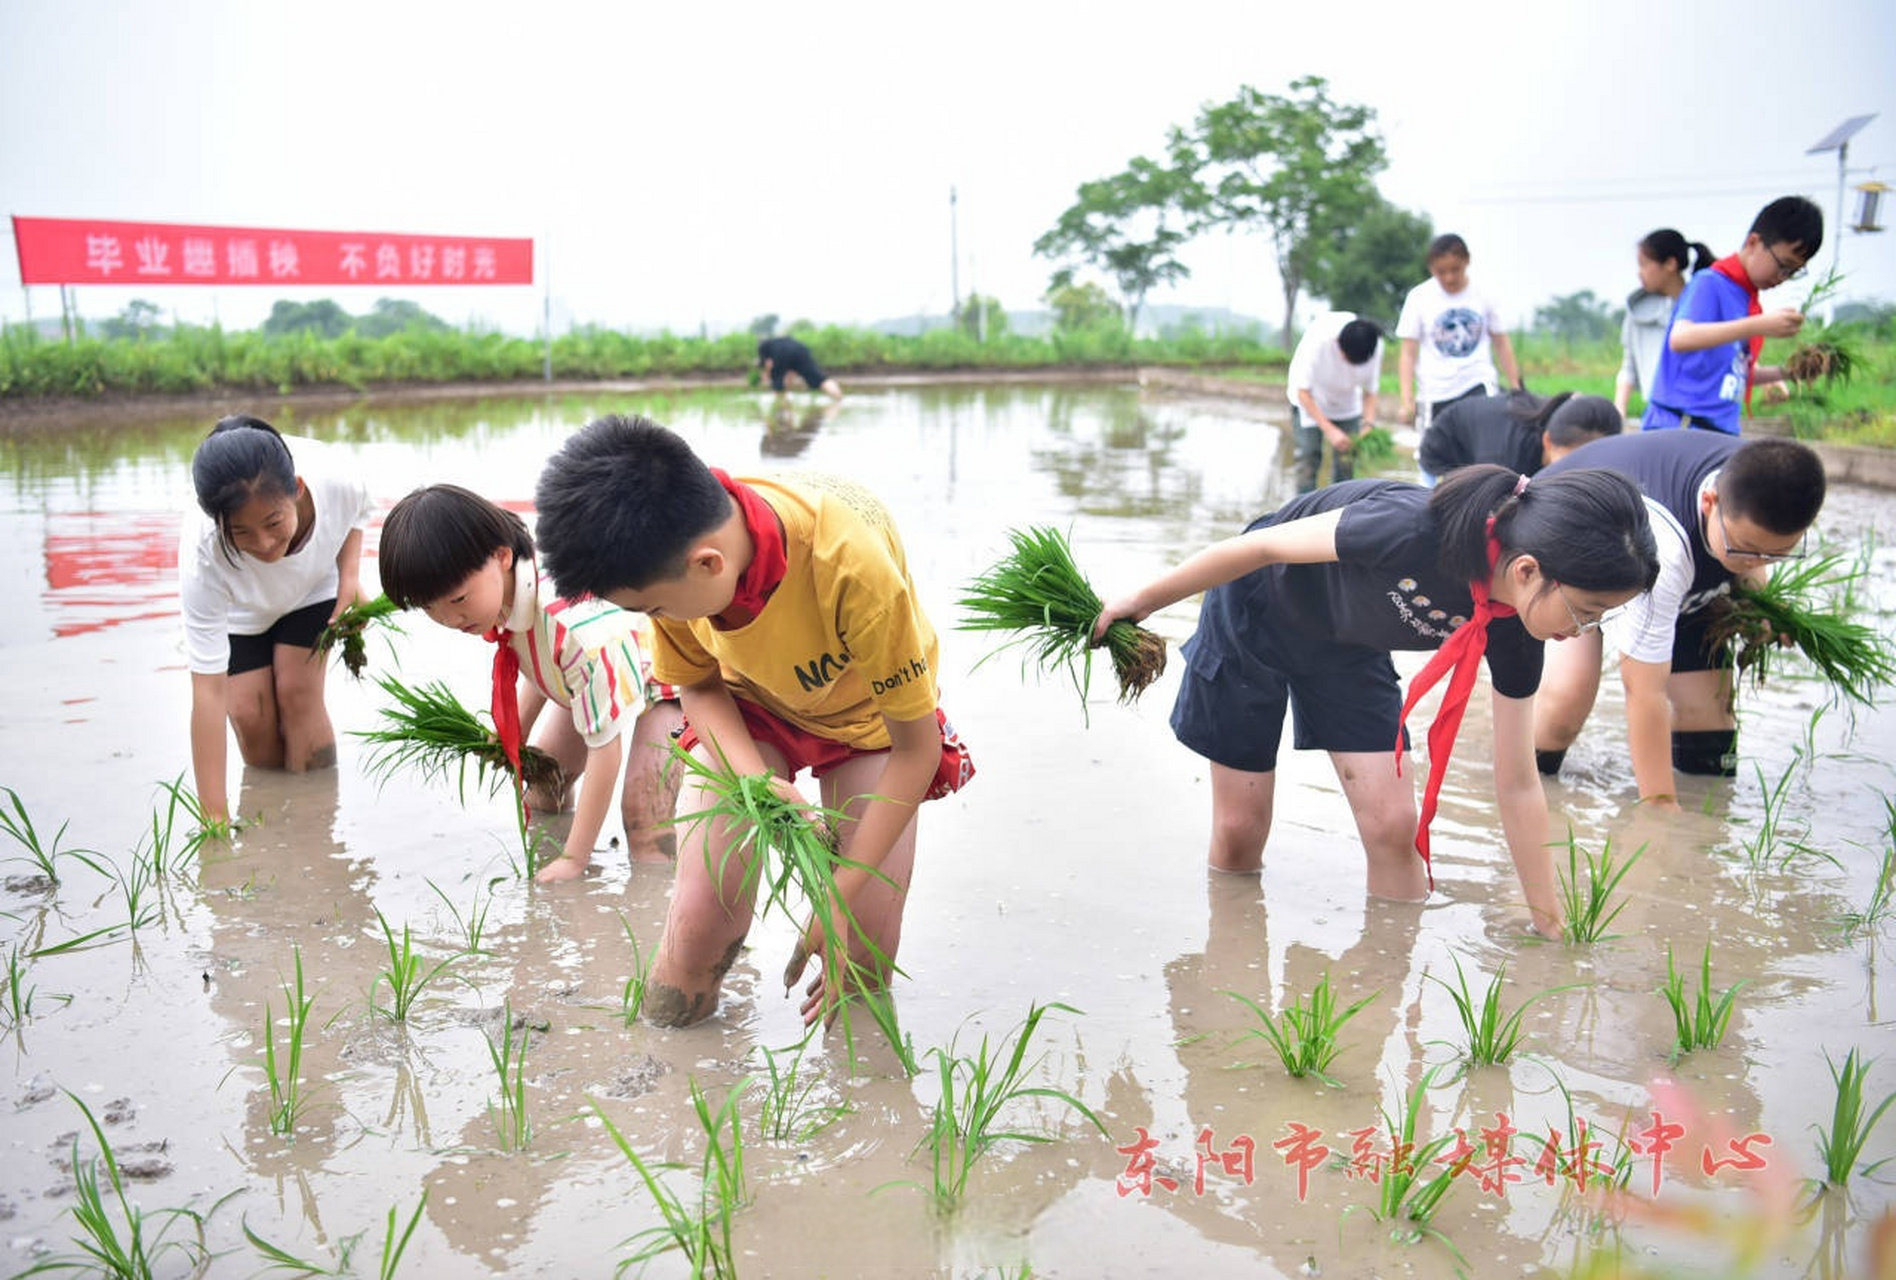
(1709, 362)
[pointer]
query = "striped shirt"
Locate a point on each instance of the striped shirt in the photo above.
(586, 655)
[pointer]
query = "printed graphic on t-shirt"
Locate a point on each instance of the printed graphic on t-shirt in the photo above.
(858, 499)
(1456, 332)
(1420, 612)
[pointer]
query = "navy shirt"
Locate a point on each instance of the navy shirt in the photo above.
(1385, 591)
(1481, 429)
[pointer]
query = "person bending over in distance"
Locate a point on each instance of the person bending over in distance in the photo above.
(779, 357)
(785, 616)
(1303, 609)
(270, 556)
(1723, 510)
(1331, 386)
(1665, 261)
(1710, 359)
(469, 564)
(1520, 430)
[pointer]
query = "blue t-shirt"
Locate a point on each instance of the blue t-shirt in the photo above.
(1708, 384)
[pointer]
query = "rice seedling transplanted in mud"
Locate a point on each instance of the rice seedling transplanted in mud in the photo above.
(349, 632)
(702, 1232)
(974, 1089)
(508, 1053)
(1586, 906)
(793, 1102)
(1491, 1038)
(288, 1100)
(1807, 602)
(1701, 1023)
(408, 973)
(1840, 1146)
(1039, 592)
(1409, 1187)
(45, 856)
(1304, 1034)
(1880, 907)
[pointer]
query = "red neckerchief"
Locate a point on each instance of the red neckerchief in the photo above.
(768, 560)
(505, 703)
(1461, 651)
(1734, 270)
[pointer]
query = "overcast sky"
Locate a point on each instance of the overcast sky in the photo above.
(690, 164)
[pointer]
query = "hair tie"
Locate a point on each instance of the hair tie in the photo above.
(1520, 486)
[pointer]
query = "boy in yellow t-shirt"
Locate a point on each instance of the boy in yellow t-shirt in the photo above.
(784, 614)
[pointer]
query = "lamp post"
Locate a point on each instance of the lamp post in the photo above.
(1838, 140)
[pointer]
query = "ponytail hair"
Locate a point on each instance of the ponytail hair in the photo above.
(1526, 407)
(1666, 245)
(1586, 528)
(242, 459)
(436, 537)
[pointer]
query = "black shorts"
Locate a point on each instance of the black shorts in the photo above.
(1692, 647)
(804, 365)
(298, 628)
(1230, 706)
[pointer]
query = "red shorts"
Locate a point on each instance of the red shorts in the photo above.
(804, 750)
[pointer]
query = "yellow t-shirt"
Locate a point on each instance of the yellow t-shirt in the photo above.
(842, 642)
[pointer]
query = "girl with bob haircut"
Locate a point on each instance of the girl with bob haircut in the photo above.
(270, 557)
(469, 564)
(1304, 608)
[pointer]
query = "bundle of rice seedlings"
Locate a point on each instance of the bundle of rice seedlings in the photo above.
(1374, 449)
(348, 628)
(1806, 600)
(1039, 592)
(1831, 357)
(426, 728)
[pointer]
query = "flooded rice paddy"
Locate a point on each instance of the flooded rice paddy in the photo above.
(1070, 872)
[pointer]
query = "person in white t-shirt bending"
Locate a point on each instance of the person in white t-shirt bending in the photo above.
(1451, 338)
(1332, 392)
(273, 555)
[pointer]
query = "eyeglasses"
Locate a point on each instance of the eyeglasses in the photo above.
(1580, 626)
(1762, 557)
(1788, 273)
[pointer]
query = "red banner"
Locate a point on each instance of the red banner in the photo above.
(141, 254)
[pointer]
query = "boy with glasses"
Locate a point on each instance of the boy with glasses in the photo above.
(1709, 361)
(1722, 510)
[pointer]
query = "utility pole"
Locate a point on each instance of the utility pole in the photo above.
(1838, 140)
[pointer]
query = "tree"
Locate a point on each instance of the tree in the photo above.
(1370, 265)
(1579, 317)
(323, 318)
(1077, 307)
(764, 326)
(1292, 167)
(138, 319)
(981, 318)
(394, 315)
(1128, 226)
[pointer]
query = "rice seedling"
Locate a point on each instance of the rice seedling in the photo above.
(973, 1091)
(879, 1003)
(1881, 906)
(349, 632)
(788, 861)
(134, 888)
(792, 1102)
(632, 995)
(1778, 836)
(1304, 1034)
(509, 1056)
(1409, 1188)
(1040, 593)
(393, 1246)
(470, 925)
(701, 1231)
(18, 992)
(1374, 449)
(1840, 1146)
(1804, 601)
(1586, 906)
(1832, 356)
(117, 1238)
(1491, 1038)
(408, 973)
(288, 1100)
(1699, 1024)
(426, 728)
(44, 855)
(276, 1258)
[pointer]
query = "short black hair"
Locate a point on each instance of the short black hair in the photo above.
(621, 504)
(1448, 244)
(437, 536)
(1579, 420)
(1358, 339)
(1791, 220)
(1776, 484)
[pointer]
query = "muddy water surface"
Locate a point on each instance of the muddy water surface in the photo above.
(1071, 871)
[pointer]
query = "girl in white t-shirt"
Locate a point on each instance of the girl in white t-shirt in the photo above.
(1451, 337)
(273, 555)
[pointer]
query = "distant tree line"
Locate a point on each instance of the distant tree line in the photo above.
(323, 318)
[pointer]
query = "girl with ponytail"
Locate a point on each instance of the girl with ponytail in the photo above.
(1305, 607)
(1666, 261)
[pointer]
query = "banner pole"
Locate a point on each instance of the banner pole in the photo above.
(546, 313)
